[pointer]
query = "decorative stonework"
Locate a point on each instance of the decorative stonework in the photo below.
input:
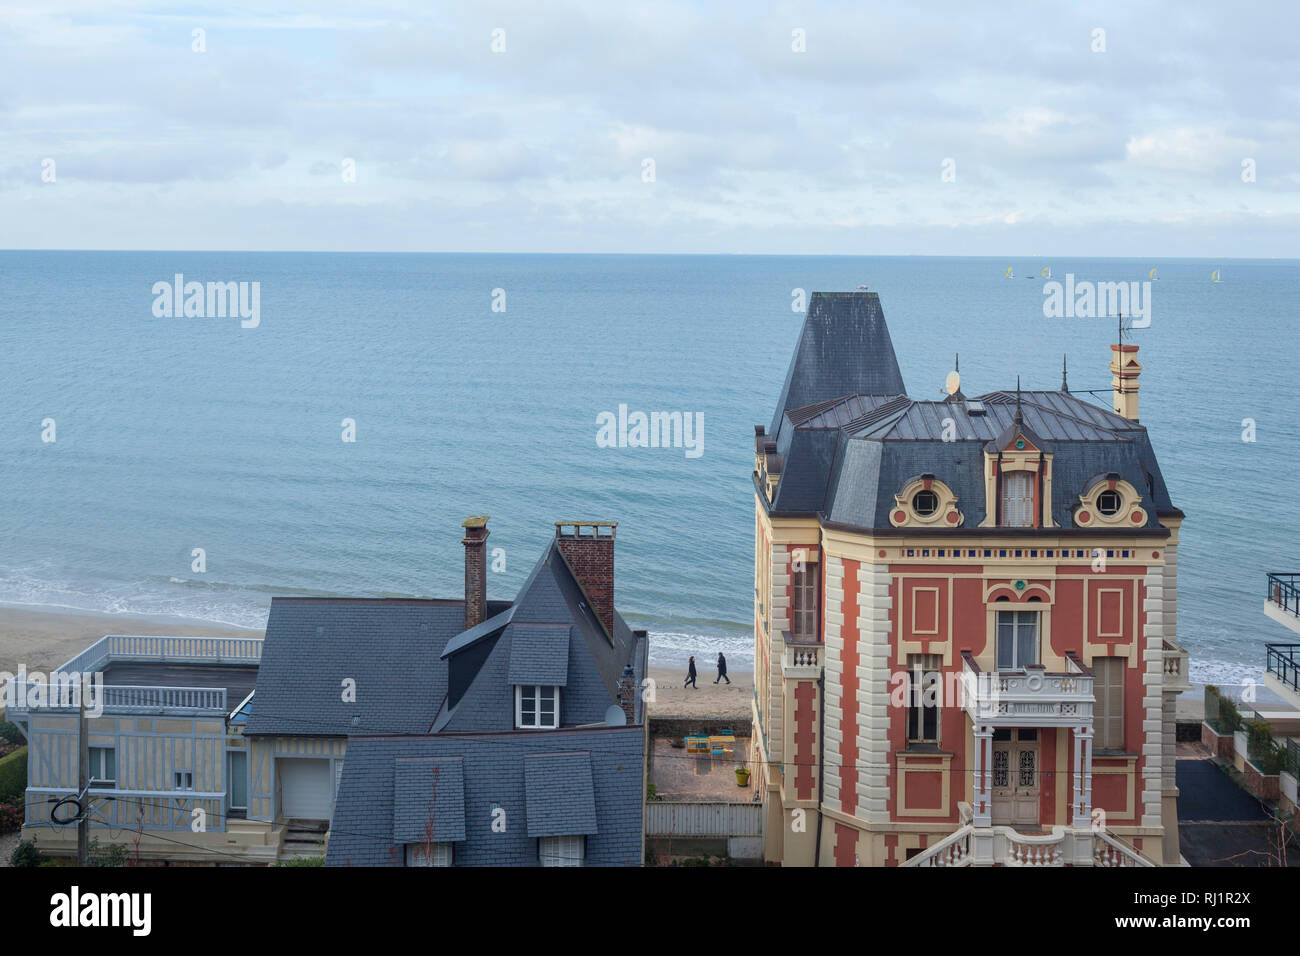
(1087, 513)
(945, 514)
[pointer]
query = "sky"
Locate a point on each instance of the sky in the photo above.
(1134, 128)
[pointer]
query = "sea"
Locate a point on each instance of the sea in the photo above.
(166, 464)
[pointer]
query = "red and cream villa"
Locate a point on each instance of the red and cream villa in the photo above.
(965, 617)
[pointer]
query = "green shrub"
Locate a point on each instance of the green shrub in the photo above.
(26, 854)
(10, 733)
(1229, 716)
(1262, 750)
(13, 774)
(303, 861)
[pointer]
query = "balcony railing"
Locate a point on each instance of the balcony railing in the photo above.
(801, 657)
(1284, 591)
(172, 650)
(1029, 696)
(32, 696)
(1176, 667)
(1283, 662)
(1006, 846)
(131, 809)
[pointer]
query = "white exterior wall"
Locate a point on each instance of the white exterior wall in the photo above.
(873, 692)
(834, 692)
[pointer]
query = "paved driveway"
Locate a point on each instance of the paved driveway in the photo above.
(1219, 824)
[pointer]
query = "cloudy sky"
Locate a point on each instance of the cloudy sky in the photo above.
(1051, 147)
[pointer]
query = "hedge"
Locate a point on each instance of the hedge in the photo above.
(13, 774)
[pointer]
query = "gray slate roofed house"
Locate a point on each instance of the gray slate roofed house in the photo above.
(844, 349)
(558, 794)
(432, 746)
(848, 438)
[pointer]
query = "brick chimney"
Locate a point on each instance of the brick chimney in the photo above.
(1124, 370)
(588, 546)
(475, 542)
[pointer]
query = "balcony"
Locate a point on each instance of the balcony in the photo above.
(1176, 668)
(1028, 697)
(1282, 602)
(119, 699)
(801, 658)
(1004, 846)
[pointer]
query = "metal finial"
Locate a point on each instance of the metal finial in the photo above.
(1018, 418)
(1065, 377)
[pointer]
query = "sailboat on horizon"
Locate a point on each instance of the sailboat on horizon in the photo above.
(1152, 276)
(1010, 274)
(1214, 276)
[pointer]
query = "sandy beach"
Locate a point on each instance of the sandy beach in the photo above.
(709, 700)
(42, 638)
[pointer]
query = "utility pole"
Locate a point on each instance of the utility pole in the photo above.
(83, 777)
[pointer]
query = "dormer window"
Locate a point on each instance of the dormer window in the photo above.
(1018, 499)
(537, 707)
(1109, 503)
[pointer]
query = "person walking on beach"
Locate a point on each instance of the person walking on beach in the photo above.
(722, 669)
(690, 676)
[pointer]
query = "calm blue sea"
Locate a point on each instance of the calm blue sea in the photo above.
(181, 433)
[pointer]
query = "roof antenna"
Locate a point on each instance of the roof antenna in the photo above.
(1065, 378)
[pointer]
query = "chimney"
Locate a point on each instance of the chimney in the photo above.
(1124, 370)
(588, 547)
(475, 542)
(627, 688)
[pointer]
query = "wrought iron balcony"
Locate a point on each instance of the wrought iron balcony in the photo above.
(1028, 697)
(1283, 664)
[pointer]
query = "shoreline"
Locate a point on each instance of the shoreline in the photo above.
(42, 637)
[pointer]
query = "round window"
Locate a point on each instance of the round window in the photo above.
(925, 503)
(1108, 502)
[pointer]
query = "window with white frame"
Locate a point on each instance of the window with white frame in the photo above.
(183, 780)
(103, 766)
(537, 707)
(1018, 499)
(429, 854)
(561, 850)
(1017, 639)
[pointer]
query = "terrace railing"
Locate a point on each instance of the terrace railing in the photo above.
(1284, 591)
(1283, 662)
(197, 650)
(119, 699)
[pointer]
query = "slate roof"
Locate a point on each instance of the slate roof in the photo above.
(496, 768)
(398, 654)
(845, 457)
(843, 349)
(428, 799)
(559, 795)
(552, 631)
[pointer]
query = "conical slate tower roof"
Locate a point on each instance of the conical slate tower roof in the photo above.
(844, 349)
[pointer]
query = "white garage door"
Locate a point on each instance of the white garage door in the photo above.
(305, 791)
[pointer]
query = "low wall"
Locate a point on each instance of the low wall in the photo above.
(681, 726)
